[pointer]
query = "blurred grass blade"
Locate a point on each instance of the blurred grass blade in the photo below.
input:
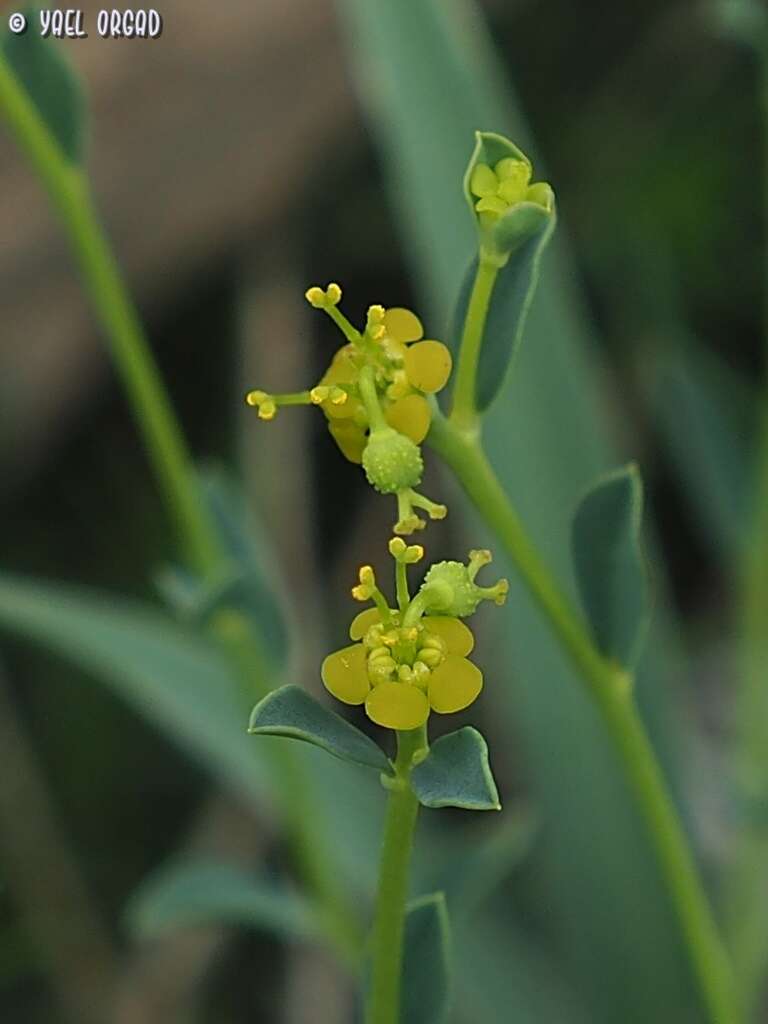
(193, 893)
(426, 962)
(705, 414)
(50, 82)
(291, 712)
(165, 673)
(610, 573)
(260, 596)
(430, 79)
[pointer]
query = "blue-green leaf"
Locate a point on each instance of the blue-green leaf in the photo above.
(426, 962)
(190, 893)
(51, 84)
(165, 672)
(609, 566)
(291, 712)
(456, 773)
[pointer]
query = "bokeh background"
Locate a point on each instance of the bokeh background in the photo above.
(253, 150)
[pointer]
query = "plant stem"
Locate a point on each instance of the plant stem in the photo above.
(68, 190)
(464, 412)
(606, 681)
(389, 917)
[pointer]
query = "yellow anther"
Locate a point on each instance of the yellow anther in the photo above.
(333, 294)
(430, 656)
(390, 638)
(256, 397)
(361, 593)
(397, 547)
(375, 314)
(379, 652)
(502, 589)
(267, 410)
(377, 332)
(366, 576)
(411, 634)
(319, 394)
(421, 674)
(315, 297)
(413, 553)
(338, 396)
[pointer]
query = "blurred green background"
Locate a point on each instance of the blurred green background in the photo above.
(254, 150)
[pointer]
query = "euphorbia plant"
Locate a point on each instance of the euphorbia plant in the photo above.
(411, 655)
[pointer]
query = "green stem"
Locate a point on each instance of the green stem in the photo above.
(606, 682)
(370, 399)
(69, 192)
(389, 915)
(464, 412)
(401, 582)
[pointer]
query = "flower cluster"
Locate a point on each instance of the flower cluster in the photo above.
(374, 395)
(413, 659)
(503, 186)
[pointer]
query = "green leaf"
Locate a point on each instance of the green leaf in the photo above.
(290, 711)
(456, 773)
(609, 565)
(50, 83)
(165, 672)
(191, 893)
(426, 962)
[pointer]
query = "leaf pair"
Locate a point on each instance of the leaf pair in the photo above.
(455, 773)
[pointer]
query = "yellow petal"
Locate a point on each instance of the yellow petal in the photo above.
(491, 204)
(362, 622)
(403, 325)
(342, 369)
(410, 415)
(542, 194)
(345, 675)
(428, 365)
(397, 706)
(350, 438)
(457, 636)
(483, 181)
(510, 169)
(454, 685)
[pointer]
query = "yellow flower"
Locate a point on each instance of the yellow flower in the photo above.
(505, 185)
(401, 674)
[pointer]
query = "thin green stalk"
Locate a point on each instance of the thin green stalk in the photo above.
(389, 915)
(69, 192)
(464, 413)
(607, 684)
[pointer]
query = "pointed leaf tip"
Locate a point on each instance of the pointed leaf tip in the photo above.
(457, 773)
(426, 988)
(608, 562)
(291, 712)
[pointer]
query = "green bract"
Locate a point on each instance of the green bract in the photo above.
(508, 209)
